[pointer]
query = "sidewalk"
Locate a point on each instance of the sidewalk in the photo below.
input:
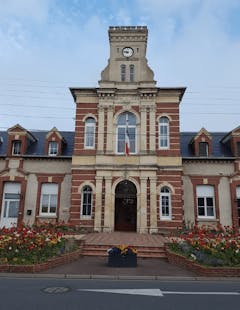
(97, 266)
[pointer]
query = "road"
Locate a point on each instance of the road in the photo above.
(71, 294)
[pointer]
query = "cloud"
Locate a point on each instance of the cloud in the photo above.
(123, 17)
(34, 9)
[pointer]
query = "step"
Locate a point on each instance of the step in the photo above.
(101, 250)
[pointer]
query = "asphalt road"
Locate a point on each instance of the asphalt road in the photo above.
(71, 294)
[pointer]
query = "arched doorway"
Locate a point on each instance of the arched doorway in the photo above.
(125, 206)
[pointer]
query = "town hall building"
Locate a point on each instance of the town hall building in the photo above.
(126, 167)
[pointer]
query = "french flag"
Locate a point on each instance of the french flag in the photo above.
(127, 140)
(127, 143)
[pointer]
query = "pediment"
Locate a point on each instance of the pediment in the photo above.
(17, 129)
(204, 132)
(54, 131)
(236, 131)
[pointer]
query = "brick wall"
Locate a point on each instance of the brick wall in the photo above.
(182, 261)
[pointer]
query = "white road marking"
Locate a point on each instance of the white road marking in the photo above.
(200, 293)
(154, 292)
(146, 292)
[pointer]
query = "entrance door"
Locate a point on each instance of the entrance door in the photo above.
(125, 206)
(10, 205)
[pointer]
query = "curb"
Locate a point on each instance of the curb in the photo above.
(114, 277)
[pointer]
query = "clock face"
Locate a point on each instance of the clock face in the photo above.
(127, 52)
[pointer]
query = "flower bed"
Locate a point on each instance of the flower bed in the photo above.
(207, 251)
(183, 261)
(122, 256)
(25, 247)
(51, 263)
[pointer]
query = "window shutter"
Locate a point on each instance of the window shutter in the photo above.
(49, 189)
(205, 191)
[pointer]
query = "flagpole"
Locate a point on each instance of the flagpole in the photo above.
(127, 145)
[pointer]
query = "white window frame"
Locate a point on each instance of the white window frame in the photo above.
(124, 127)
(50, 190)
(52, 148)
(168, 195)
(86, 216)
(89, 125)
(16, 147)
(163, 137)
(205, 192)
(10, 204)
(206, 150)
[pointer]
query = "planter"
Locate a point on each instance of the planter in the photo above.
(182, 261)
(53, 262)
(122, 260)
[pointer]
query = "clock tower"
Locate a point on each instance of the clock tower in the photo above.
(127, 166)
(127, 62)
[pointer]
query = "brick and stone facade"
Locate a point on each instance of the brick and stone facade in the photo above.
(149, 167)
(86, 178)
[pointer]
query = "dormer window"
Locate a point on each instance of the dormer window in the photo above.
(238, 149)
(131, 71)
(203, 149)
(123, 73)
(52, 148)
(16, 147)
(202, 143)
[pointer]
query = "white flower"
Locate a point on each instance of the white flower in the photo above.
(193, 256)
(10, 248)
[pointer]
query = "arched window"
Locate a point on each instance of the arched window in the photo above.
(123, 73)
(164, 133)
(89, 139)
(86, 209)
(165, 204)
(126, 133)
(131, 71)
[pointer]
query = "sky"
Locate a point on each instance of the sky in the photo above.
(47, 46)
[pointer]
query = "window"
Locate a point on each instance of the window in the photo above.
(89, 140)
(123, 73)
(238, 149)
(16, 147)
(164, 133)
(238, 203)
(205, 201)
(48, 202)
(203, 149)
(10, 204)
(52, 148)
(126, 126)
(86, 201)
(165, 204)
(131, 70)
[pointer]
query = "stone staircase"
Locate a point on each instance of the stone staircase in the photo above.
(148, 246)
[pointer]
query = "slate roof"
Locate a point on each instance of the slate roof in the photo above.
(219, 150)
(37, 148)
